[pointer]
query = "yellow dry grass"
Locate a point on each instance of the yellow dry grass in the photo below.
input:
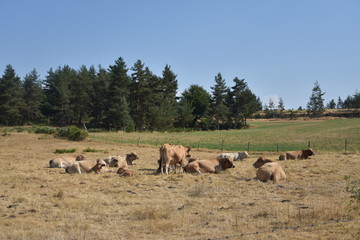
(37, 202)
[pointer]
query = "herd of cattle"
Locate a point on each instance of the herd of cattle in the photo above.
(178, 157)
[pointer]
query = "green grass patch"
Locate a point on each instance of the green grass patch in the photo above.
(321, 135)
(94, 150)
(60, 151)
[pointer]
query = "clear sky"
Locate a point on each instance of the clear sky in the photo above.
(280, 47)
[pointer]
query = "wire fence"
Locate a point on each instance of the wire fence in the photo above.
(337, 145)
(285, 228)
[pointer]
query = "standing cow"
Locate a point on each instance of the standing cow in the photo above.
(172, 155)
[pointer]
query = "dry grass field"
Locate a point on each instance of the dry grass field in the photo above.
(38, 202)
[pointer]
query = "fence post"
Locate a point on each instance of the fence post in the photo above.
(309, 144)
(277, 147)
(222, 145)
(248, 147)
(157, 141)
(346, 143)
(198, 144)
(138, 141)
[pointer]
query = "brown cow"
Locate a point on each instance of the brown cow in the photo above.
(86, 166)
(63, 162)
(126, 172)
(301, 154)
(268, 170)
(173, 155)
(116, 161)
(209, 166)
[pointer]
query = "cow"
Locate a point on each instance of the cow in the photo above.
(209, 166)
(173, 155)
(174, 167)
(235, 156)
(301, 154)
(126, 172)
(86, 166)
(116, 161)
(268, 170)
(63, 162)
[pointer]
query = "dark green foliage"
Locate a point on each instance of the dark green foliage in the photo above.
(11, 98)
(219, 109)
(316, 104)
(72, 133)
(331, 104)
(45, 130)
(59, 151)
(33, 97)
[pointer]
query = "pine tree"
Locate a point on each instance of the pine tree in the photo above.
(117, 109)
(98, 93)
(340, 103)
(80, 93)
(281, 107)
(33, 98)
(219, 110)
(331, 104)
(185, 116)
(316, 104)
(199, 100)
(245, 103)
(11, 98)
(58, 95)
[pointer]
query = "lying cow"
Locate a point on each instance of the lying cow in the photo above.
(235, 156)
(209, 166)
(268, 170)
(63, 162)
(302, 154)
(173, 155)
(86, 166)
(116, 161)
(126, 172)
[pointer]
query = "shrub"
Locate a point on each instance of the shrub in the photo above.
(72, 133)
(45, 130)
(353, 189)
(65, 150)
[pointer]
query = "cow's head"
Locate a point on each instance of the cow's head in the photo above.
(261, 161)
(307, 153)
(132, 156)
(99, 165)
(226, 162)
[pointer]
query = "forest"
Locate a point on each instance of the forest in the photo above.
(135, 99)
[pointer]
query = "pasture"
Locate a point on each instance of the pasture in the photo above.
(284, 135)
(38, 202)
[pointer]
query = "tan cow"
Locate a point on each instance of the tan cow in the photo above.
(269, 170)
(86, 166)
(209, 166)
(126, 172)
(173, 155)
(63, 162)
(116, 161)
(301, 154)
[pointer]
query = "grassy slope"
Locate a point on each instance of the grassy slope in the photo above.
(262, 136)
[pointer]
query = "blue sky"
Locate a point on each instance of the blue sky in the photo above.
(280, 47)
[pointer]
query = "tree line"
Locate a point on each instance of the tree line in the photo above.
(122, 98)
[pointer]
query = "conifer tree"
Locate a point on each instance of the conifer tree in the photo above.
(33, 98)
(11, 98)
(316, 104)
(219, 110)
(117, 114)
